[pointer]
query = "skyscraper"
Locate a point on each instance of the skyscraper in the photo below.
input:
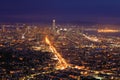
(3, 28)
(53, 24)
(27, 29)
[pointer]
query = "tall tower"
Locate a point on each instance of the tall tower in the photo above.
(27, 29)
(17, 27)
(53, 24)
(3, 28)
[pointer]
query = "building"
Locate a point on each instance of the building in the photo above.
(53, 24)
(3, 28)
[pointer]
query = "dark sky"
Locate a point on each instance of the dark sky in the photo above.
(101, 11)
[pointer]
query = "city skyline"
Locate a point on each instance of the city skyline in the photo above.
(69, 11)
(59, 40)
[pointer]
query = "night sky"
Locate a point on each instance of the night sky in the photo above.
(74, 11)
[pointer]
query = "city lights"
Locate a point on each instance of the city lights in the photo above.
(58, 52)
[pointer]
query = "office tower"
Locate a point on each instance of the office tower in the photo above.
(53, 24)
(27, 29)
(3, 28)
(17, 28)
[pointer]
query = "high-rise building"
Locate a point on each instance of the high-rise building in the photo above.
(17, 28)
(27, 29)
(3, 28)
(53, 24)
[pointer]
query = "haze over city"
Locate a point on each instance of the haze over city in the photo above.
(65, 11)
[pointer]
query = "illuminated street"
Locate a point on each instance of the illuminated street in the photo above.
(62, 63)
